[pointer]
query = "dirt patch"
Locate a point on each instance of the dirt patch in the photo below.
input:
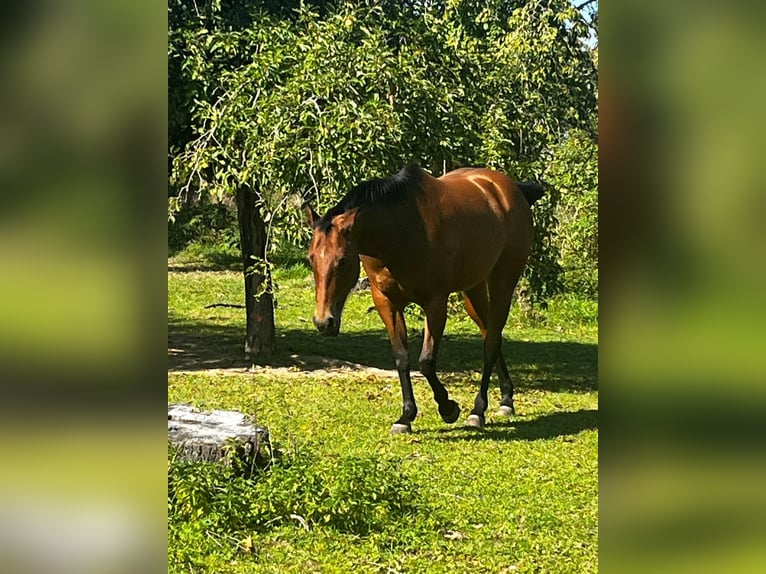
(221, 353)
(300, 366)
(210, 348)
(204, 351)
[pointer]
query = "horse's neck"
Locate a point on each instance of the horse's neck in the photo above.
(389, 233)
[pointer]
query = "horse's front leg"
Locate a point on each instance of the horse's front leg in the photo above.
(392, 315)
(436, 318)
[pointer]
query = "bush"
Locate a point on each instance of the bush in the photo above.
(203, 223)
(356, 495)
(574, 173)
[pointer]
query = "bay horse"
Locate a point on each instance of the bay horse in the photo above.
(419, 239)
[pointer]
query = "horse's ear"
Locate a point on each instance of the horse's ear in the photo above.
(345, 221)
(311, 216)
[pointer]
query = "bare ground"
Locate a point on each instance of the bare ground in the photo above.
(190, 354)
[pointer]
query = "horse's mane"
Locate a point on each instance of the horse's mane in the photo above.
(382, 191)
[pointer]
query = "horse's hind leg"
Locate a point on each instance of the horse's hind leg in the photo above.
(436, 317)
(477, 306)
(500, 290)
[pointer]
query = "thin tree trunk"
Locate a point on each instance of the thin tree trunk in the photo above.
(259, 305)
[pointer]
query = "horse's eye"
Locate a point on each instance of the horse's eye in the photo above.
(342, 261)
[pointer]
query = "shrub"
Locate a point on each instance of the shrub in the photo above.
(353, 494)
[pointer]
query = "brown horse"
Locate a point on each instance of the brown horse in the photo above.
(419, 239)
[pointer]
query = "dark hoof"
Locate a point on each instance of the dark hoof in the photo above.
(505, 411)
(450, 413)
(399, 428)
(475, 421)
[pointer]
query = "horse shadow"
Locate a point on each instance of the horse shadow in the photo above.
(558, 424)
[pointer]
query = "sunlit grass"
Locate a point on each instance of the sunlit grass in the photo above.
(521, 496)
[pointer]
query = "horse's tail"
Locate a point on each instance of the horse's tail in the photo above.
(532, 190)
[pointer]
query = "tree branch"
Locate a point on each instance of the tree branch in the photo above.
(584, 4)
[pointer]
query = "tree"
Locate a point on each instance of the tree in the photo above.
(313, 98)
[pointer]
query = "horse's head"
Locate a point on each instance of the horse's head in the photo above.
(335, 263)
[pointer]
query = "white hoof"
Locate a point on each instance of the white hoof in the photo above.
(475, 421)
(505, 411)
(398, 428)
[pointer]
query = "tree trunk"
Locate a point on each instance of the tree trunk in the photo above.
(259, 304)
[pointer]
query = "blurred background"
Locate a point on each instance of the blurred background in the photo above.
(683, 279)
(82, 286)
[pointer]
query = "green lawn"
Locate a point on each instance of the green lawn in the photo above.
(520, 496)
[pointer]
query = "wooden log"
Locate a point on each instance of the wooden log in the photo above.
(228, 437)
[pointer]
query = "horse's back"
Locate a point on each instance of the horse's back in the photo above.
(481, 196)
(476, 217)
(469, 184)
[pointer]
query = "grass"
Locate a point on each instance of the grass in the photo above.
(520, 496)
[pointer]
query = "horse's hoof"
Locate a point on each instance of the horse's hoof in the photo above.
(399, 428)
(505, 411)
(475, 421)
(452, 414)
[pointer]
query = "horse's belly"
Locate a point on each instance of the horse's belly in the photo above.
(470, 274)
(472, 257)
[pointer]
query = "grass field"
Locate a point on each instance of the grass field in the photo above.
(520, 496)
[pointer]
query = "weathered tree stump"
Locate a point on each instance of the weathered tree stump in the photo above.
(218, 436)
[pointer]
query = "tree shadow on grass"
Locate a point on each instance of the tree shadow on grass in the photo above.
(549, 365)
(227, 261)
(209, 261)
(197, 346)
(543, 427)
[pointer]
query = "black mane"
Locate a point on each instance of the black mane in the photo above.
(375, 192)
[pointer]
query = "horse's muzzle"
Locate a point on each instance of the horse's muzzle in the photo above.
(329, 327)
